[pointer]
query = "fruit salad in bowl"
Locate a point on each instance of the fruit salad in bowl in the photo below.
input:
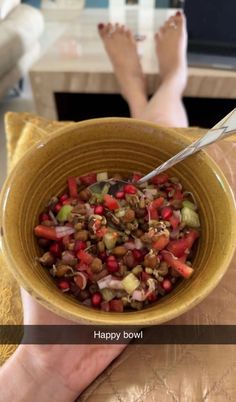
(119, 252)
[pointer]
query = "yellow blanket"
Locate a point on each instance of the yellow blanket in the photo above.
(166, 373)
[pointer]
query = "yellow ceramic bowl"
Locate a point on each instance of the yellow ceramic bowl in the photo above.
(116, 145)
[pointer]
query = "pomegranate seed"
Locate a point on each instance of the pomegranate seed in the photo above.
(116, 305)
(105, 306)
(55, 249)
(112, 264)
(96, 299)
(167, 285)
(136, 176)
(99, 210)
(57, 207)
(144, 251)
(63, 197)
(64, 285)
(166, 213)
(103, 256)
(130, 189)
(67, 201)
(44, 217)
(152, 297)
(145, 276)
(80, 245)
(120, 195)
(66, 240)
(138, 255)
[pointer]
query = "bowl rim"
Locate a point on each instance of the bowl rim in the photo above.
(136, 317)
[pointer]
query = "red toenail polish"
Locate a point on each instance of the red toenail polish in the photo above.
(100, 26)
(178, 13)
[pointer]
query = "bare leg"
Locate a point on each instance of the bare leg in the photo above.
(166, 107)
(122, 51)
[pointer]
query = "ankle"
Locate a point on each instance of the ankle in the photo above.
(137, 105)
(176, 81)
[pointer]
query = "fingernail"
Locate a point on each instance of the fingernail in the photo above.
(101, 25)
(178, 13)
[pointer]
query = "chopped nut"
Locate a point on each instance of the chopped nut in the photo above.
(125, 300)
(122, 269)
(119, 251)
(138, 233)
(61, 270)
(80, 209)
(129, 216)
(85, 194)
(47, 259)
(96, 265)
(150, 260)
(81, 235)
(163, 268)
(142, 203)
(129, 259)
(146, 238)
(140, 212)
(78, 226)
(101, 246)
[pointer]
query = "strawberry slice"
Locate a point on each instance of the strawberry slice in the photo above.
(130, 189)
(88, 179)
(161, 243)
(160, 178)
(72, 184)
(178, 247)
(175, 263)
(158, 202)
(84, 257)
(191, 236)
(110, 202)
(46, 232)
(153, 213)
(174, 221)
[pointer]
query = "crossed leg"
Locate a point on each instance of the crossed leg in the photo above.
(165, 107)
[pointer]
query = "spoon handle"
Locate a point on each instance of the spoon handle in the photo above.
(223, 129)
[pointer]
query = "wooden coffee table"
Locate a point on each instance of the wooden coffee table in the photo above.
(77, 62)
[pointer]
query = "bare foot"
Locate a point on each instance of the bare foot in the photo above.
(171, 45)
(122, 51)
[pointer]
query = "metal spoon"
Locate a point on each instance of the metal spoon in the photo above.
(223, 129)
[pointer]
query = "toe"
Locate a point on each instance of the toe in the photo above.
(163, 29)
(101, 28)
(122, 29)
(179, 18)
(157, 37)
(109, 27)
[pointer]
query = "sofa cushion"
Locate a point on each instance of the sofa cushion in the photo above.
(18, 32)
(21, 67)
(6, 6)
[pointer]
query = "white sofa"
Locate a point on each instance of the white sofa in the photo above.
(19, 45)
